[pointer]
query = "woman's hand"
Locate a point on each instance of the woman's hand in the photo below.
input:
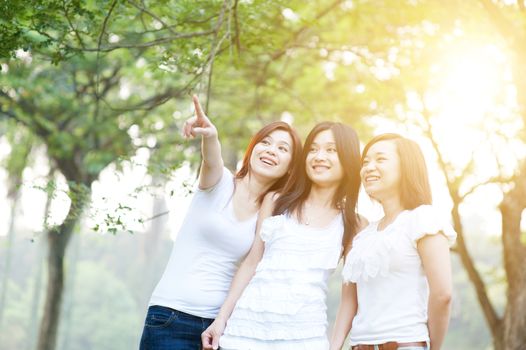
(210, 337)
(212, 163)
(199, 125)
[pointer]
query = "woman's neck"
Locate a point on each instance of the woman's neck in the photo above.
(253, 186)
(392, 207)
(321, 196)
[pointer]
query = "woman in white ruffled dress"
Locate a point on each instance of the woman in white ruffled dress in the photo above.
(398, 269)
(277, 298)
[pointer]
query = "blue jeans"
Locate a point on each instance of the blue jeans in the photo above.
(169, 329)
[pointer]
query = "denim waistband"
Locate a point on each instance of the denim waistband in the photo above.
(181, 313)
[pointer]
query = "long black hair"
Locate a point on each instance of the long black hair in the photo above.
(298, 186)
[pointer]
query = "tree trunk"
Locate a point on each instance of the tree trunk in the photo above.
(494, 322)
(8, 254)
(69, 293)
(150, 250)
(57, 242)
(34, 311)
(511, 208)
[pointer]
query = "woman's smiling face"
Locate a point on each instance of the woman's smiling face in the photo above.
(323, 165)
(380, 171)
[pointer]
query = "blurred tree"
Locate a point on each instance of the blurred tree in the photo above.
(15, 165)
(99, 80)
(83, 108)
(93, 78)
(509, 21)
(423, 50)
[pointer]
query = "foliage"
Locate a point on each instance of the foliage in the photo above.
(96, 82)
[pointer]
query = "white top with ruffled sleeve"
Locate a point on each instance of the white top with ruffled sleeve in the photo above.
(391, 284)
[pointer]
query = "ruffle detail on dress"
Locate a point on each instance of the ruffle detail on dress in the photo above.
(285, 301)
(369, 256)
(272, 333)
(311, 276)
(241, 343)
(270, 225)
(299, 261)
(272, 310)
(283, 306)
(292, 247)
(426, 220)
(307, 317)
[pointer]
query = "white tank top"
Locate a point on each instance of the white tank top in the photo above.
(206, 253)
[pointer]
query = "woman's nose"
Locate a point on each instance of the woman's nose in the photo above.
(320, 154)
(272, 150)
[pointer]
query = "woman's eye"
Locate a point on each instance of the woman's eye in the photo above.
(283, 149)
(313, 150)
(265, 142)
(332, 150)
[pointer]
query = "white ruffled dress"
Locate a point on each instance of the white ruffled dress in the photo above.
(283, 307)
(391, 284)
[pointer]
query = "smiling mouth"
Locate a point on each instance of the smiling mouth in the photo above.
(268, 161)
(372, 178)
(320, 167)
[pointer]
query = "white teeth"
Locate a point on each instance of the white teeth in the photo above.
(267, 161)
(320, 167)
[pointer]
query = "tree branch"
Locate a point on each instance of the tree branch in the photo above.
(213, 51)
(66, 14)
(147, 44)
(300, 31)
(492, 180)
(154, 16)
(236, 37)
(494, 322)
(156, 100)
(102, 32)
(32, 124)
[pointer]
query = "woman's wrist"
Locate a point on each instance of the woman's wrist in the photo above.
(221, 318)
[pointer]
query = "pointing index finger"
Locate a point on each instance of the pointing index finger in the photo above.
(198, 110)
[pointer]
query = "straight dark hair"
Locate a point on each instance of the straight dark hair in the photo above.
(295, 162)
(414, 180)
(299, 185)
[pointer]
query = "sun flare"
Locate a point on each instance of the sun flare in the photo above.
(470, 102)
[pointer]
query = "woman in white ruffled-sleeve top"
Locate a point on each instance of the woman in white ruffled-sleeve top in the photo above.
(398, 269)
(277, 299)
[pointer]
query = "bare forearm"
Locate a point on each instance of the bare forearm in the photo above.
(438, 319)
(344, 317)
(342, 326)
(212, 165)
(211, 151)
(239, 283)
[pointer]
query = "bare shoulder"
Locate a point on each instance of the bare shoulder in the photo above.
(362, 222)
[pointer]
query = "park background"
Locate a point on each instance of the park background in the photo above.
(95, 175)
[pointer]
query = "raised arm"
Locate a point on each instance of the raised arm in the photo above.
(212, 164)
(344, 317)
(434, 252)
(210, 337)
